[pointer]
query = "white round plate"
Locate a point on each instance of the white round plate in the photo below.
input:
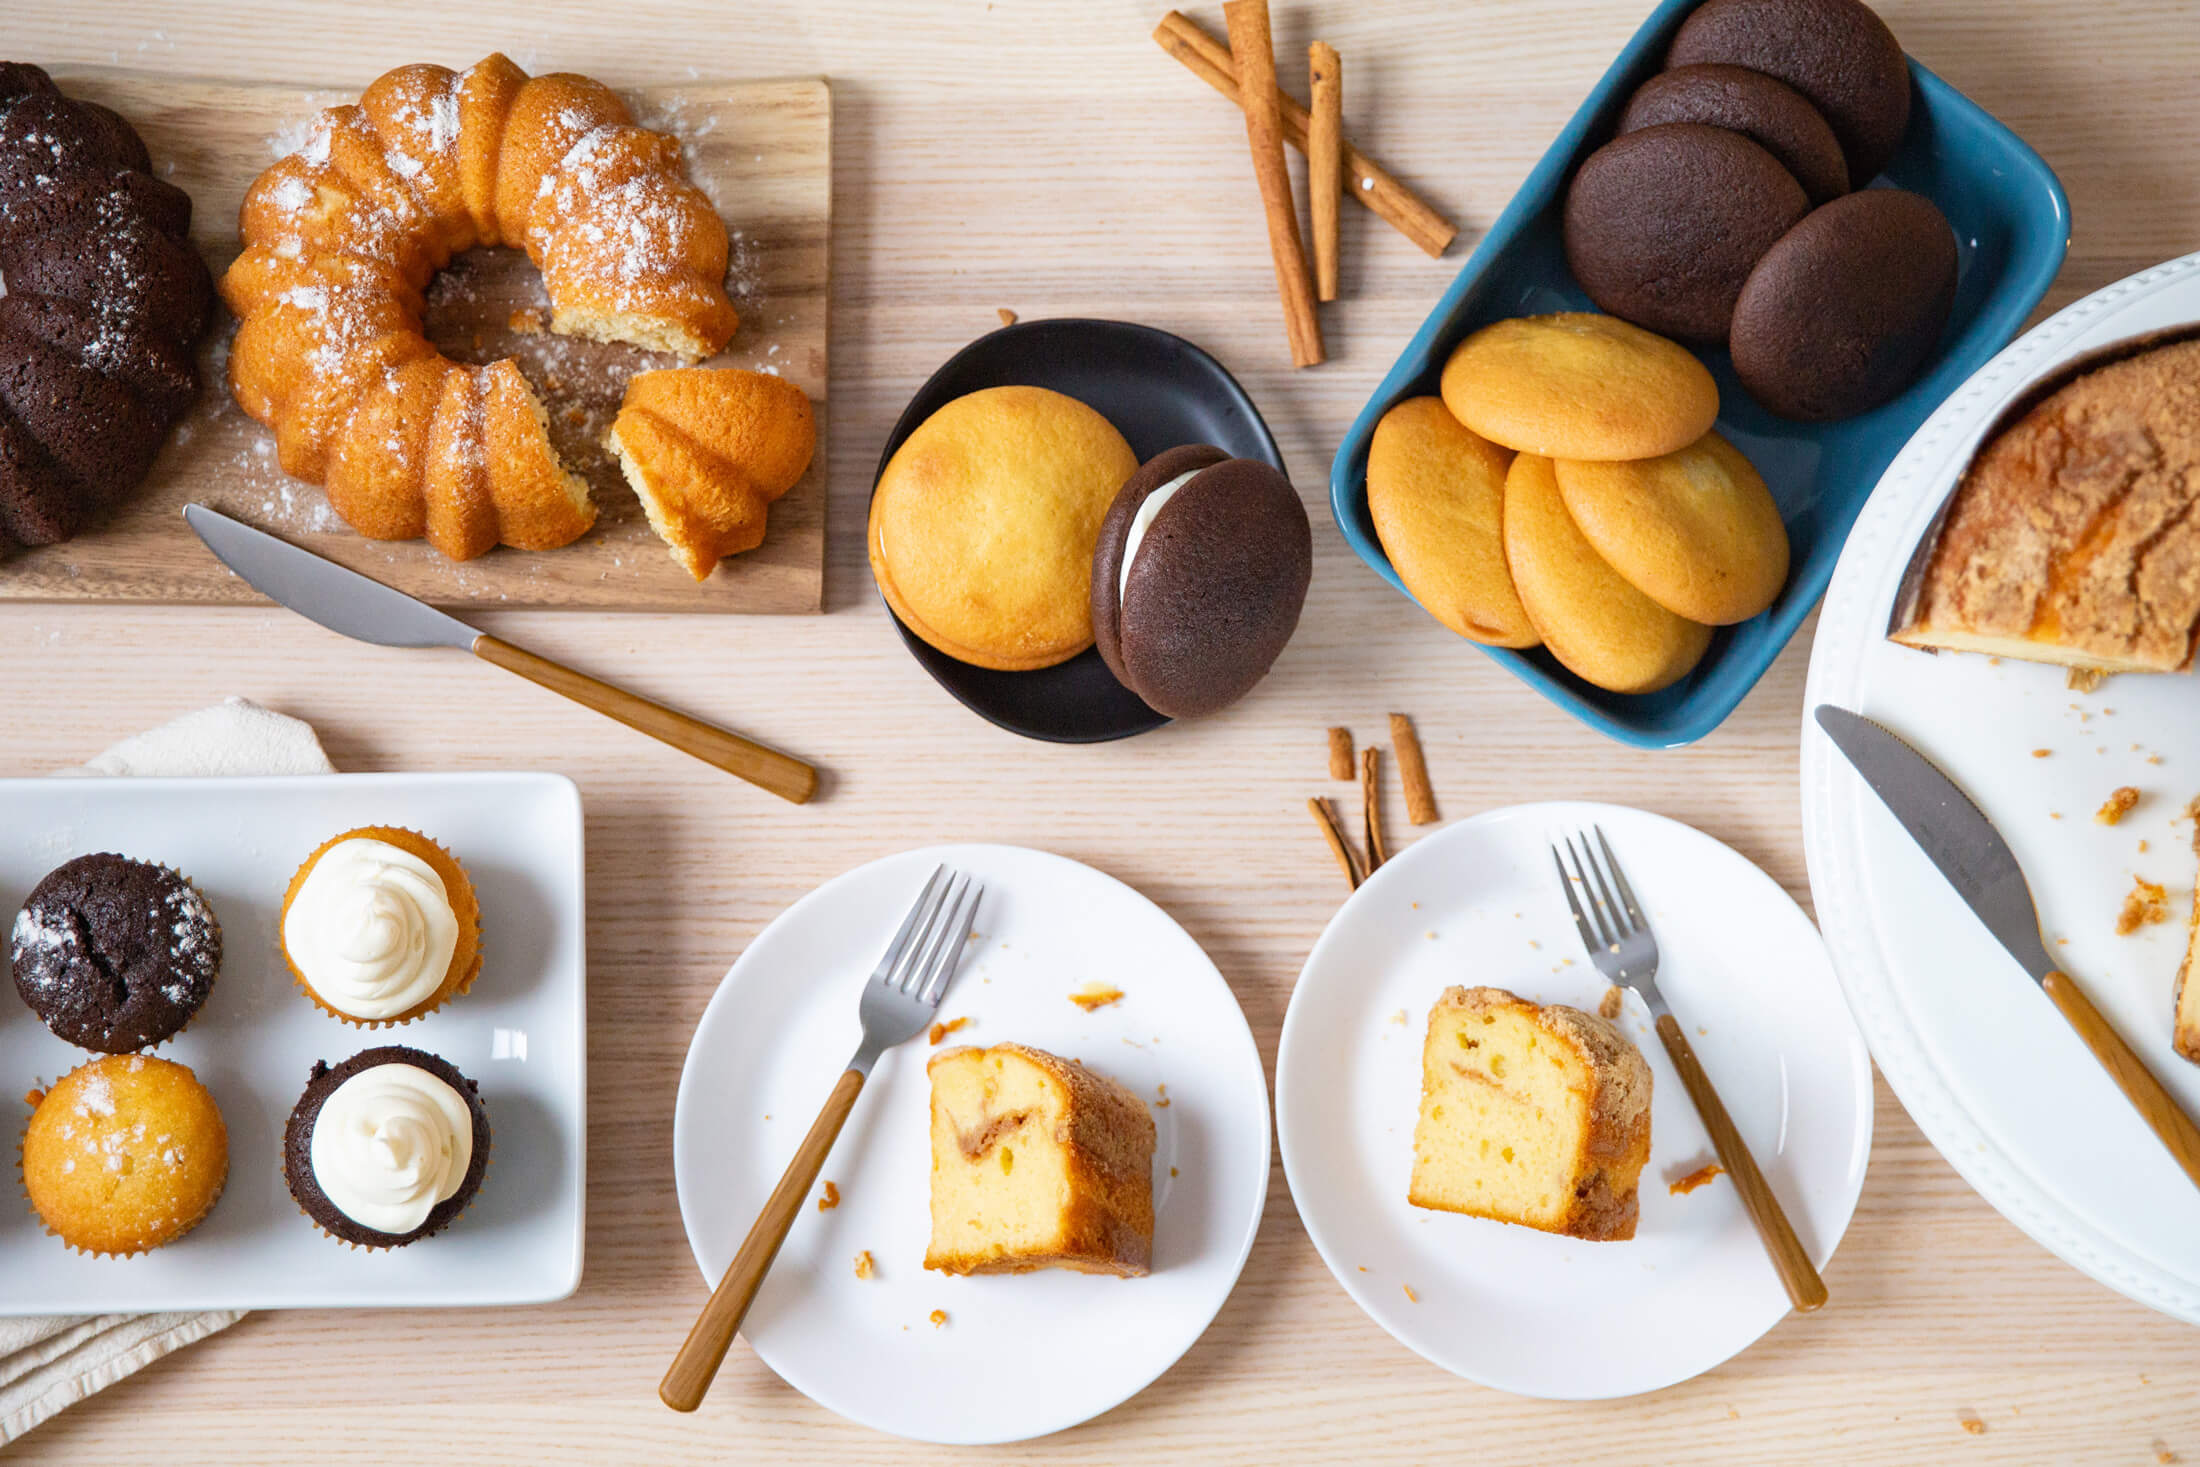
(1529, 1312)
(778, 1032)
(1983, 1063)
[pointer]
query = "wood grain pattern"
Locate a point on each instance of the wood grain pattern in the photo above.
(2156, 1106)
(767, 769)
(704, 1350)
(967, 178)
(762, 150)
(1790, 1259)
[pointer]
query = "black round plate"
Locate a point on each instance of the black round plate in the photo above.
(1159, 390)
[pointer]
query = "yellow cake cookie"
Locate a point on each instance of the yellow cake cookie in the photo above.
(984, 521)
(380, 926)
(1579, 385)
(1037, 1162)
(1595, 623)
(1696, 531)
(124, 1154)
(1436, 491)
(1530, 1113)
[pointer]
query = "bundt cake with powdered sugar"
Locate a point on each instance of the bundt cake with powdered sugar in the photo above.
(342, 236)
(101, 298)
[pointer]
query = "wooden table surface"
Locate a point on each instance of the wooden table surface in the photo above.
(1049, 159)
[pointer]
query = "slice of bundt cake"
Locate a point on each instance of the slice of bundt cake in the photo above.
(1037, 1162)
(708, 450)
(101, 298)
(1530, 1113)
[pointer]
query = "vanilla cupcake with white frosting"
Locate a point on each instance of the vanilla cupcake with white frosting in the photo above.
(386, 1148)
(380, 926)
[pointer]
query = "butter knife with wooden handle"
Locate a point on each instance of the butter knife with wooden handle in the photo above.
(366, 610)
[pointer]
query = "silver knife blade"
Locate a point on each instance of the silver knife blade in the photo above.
(318, 588)
(1950, 828)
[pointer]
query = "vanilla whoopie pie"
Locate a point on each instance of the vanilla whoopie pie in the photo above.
(1198, 577)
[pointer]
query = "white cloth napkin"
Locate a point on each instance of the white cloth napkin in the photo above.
(49, 1364)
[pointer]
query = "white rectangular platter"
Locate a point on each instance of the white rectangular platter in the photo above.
(520, 1034)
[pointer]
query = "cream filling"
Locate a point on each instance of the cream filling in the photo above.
(371, 928)
(389, 1144)
(1141, 522)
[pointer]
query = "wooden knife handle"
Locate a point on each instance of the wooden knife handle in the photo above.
(767, 769)
(697, 1364)
(2154, 1103)
(1805, 1289)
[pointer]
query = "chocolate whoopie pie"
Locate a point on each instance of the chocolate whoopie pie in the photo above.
(1198, 578)
(1770, 113)
(113, 954)
(1846, 309)
(1662, 225)
(1838, 53)
(305, 1185)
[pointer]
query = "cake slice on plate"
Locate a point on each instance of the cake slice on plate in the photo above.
(1530, 1113)
(1037, 1162)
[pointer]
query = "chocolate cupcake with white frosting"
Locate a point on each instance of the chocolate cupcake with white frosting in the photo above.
(386, 1148)
(381, 926)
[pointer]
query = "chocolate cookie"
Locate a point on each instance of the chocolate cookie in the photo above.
(1198, 578)
(305, 1187)
(1837, 53)
(114, 954)
(1770, 113)
(1662, 225)
(1844, 311)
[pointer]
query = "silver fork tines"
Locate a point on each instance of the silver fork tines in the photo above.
(911, 979)
(1607, 915)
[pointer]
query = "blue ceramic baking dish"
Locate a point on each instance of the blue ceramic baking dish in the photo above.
(2012, 226)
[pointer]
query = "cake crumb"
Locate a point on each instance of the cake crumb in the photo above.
(1163, 1092)
(1681, 1187)
(1363, 1267)
(1399, 1018)
(1612, 1003)
(1008, 317)
(1172, 1171)
(938, 1318)
(2142, 847)
(2042, 753)
(2117, 805)
(1971, 1423)
(830, 1200)
(34, 1098)
(2085, 680)
(527, 321)
(948, 1026)
(2146, 902)
(1411, 1297)
(864, 1266)
(1096, 996)
(2163, 1455)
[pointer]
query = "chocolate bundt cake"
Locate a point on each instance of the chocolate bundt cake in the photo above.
(101, 298)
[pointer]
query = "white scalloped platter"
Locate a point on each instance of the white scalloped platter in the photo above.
(1980, 1059)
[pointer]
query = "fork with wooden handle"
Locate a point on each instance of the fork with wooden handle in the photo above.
(899, 1000)
(1621, 945)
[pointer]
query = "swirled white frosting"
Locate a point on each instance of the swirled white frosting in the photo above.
(389, 1144)
(371, 928)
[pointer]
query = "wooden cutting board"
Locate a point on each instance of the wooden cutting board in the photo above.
(762, 150)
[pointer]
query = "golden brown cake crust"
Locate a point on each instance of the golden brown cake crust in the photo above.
(457, 885)
(1616, 1142)
(2185, 1003)
(1109, 1139)
(2073, 536)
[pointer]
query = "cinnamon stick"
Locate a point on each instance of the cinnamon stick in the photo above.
(1412, 771)
(1253, 49)
(1339, 847)
(1340, 753)
(1371, 801)
(1324, 161)
(1369, 182)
